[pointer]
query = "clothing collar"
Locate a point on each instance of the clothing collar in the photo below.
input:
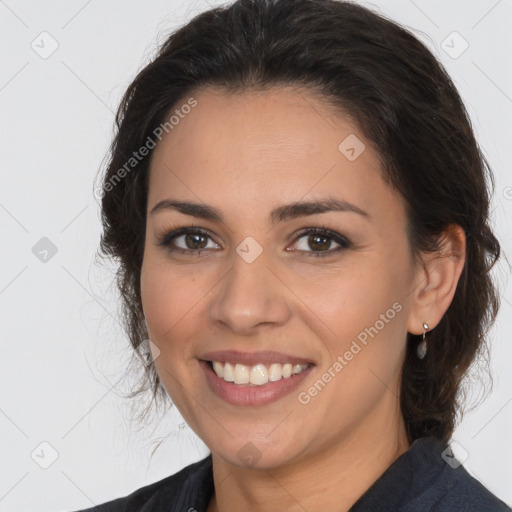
(405, 479)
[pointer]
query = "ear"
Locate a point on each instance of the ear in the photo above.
(436, 282)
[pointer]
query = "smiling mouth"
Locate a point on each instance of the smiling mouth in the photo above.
(255, 375)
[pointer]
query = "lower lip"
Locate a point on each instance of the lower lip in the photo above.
(243, 394)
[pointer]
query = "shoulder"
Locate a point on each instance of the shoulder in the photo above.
(193, 484)
(465, 493)
(428, 478)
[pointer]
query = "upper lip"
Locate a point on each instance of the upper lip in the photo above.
(266, 357)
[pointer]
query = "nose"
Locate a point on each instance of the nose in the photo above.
(250, 298)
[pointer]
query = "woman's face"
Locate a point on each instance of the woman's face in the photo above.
(265, 294)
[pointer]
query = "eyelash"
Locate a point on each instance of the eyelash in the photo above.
(166, 240)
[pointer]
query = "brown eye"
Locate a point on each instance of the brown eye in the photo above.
(195, 241)
(320, 242)
(187, 240)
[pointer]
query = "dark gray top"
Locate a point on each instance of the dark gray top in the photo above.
(424, 479)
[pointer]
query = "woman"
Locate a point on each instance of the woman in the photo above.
(301, 215)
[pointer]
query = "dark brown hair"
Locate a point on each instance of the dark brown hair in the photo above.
(404, 103)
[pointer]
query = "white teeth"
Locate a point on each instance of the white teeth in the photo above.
(219, 369)
(257, 375)
(296, 369)
(275, 372)
(227, 373)
(241, 374)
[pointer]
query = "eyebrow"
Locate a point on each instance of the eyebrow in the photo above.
(279, 214)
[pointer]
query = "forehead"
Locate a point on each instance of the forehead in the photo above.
(262, 147)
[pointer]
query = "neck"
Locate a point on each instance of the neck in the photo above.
(331, 479)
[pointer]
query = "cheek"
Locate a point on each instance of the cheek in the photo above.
(360, 319)
(359, 314)
(171, 298)
(172, 305)
(352, 297)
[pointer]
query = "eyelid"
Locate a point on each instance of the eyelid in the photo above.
(342, 241)
(165, 239)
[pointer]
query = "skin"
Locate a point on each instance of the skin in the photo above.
(246, 155)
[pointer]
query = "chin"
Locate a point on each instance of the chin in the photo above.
(259, 452)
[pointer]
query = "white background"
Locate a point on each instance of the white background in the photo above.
(62, 349)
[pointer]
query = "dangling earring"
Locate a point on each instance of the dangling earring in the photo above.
(422, 347)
